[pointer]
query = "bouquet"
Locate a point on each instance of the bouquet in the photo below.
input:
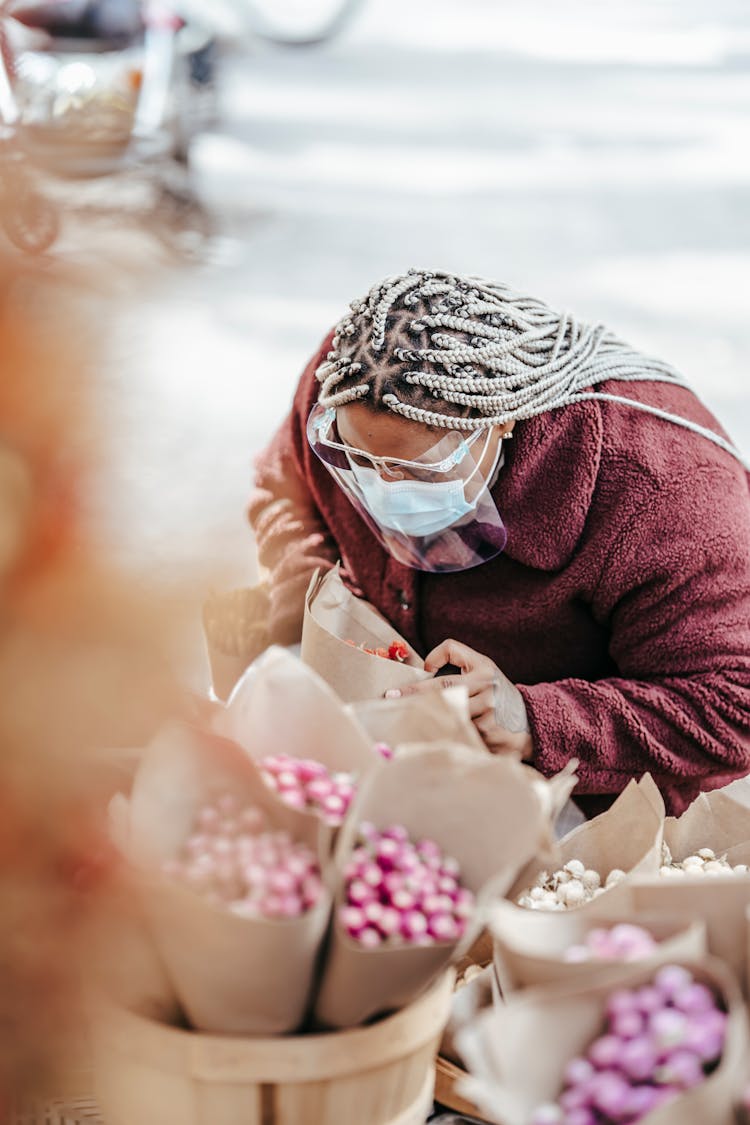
(424, 793)
(351, 645)
(666, 1045)
(593, 867)
(705, 871)
(212, 846)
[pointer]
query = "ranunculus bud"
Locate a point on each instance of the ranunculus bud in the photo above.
(395, 884)
(255, 875)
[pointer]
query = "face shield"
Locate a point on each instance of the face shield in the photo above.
(433, 513)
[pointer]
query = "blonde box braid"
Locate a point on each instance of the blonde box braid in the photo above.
(465, 353)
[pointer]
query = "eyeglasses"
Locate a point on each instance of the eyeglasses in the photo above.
(325, 440)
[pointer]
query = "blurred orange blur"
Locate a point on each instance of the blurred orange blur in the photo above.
(86, 659)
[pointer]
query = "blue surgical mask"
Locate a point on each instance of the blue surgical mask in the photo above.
(412, 507)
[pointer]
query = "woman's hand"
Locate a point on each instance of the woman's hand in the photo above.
(496, 705)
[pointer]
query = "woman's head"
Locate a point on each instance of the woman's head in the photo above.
(464, 353)
(448, 351)
(428, 357)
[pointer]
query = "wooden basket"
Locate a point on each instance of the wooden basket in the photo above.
(147, 1073)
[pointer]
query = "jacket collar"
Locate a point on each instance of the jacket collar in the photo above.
(545, 488)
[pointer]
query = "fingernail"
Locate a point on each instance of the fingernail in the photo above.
(393, 693)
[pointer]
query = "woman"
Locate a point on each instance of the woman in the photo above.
(530, 500)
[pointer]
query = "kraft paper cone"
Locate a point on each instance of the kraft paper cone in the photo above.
(738, 791)
(529, 945)
(554, 795)
(435, 717)
(627, 836)
(517, 1052)
(480, 809)
(333, 616)
(128, 967)
(720, 901)
(282, 706)
(713, 820)
(231, 974)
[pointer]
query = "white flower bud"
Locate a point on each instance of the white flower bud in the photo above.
(537, 893)
(591, 879)
(692, 861)
(706, 853)
(615, 876)
(573, 893)
(575, 867)
(670, 872)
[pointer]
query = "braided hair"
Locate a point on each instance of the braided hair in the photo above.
(464, 353)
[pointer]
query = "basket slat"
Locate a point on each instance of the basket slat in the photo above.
(148, 1074)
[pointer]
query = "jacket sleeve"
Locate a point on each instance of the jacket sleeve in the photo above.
(292, 538)
(675, 596)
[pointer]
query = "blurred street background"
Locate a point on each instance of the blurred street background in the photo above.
(595, 155)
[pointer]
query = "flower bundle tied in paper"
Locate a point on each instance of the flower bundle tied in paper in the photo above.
(422, 718)
(230, 883)
(429, 834)
(660, 1046)
(308, 747)
(340, 638)
(535, 947)
(593, 867)
(705, 871)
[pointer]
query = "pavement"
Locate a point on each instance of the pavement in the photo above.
(594, 155)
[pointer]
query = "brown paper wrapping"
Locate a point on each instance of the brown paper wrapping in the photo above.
(529, 945)
(480, 809)
(715, 821)
(285, 707)
(627, 836)
(235, 630)
(721, 901)
(231, 974)
(517, 1052)
(128, 967)
(433, 717)
(333, 616)
(738, 791)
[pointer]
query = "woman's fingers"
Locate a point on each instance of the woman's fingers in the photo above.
(435, 683)
(481, 708)
(454, 652)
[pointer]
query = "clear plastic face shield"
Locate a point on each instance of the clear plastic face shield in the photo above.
(433, 513)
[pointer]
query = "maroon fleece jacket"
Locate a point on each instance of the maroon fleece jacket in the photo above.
(620, 606)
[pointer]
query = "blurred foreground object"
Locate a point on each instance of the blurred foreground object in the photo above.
(85, 661)
(97, 90)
